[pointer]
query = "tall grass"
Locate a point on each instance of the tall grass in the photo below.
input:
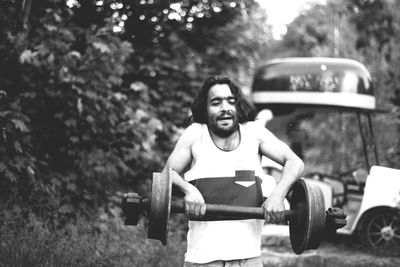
(102, 242)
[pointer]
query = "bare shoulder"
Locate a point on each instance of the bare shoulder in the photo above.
(191, 134)
(259, 130)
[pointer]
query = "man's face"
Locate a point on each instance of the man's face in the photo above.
(221, 110)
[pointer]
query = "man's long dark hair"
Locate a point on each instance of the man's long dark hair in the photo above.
(245, 109)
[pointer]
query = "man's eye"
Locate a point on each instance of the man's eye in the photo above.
(232, 100)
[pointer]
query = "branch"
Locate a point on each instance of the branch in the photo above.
(26, 10)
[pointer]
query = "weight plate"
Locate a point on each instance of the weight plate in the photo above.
(160, 206)
(317, 218)
(307, 227)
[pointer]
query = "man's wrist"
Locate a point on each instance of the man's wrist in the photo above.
(183, 185)
(277, 196)
(186, 187)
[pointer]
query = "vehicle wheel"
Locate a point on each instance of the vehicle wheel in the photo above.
(381, 232)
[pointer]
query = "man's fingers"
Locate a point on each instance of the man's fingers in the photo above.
(267, 216)
(203, 209)
(281, 217)
(197, 210)
(194, 210)
(187, 208)
(274, 216)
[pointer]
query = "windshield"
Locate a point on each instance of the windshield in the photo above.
(327, 140)
(321, 107)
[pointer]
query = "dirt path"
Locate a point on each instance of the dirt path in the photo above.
(326, 255)
(344, 253)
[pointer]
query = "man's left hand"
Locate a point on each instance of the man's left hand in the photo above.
(274, 210)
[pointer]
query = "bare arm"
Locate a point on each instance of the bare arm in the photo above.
(179, 160)
(293, 168)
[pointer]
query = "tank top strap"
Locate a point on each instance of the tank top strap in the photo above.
(207, 143)
(205, 139)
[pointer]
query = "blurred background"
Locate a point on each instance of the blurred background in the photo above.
(94, 94)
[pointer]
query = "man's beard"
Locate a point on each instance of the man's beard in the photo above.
(222, 131)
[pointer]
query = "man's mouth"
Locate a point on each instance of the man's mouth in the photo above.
(224, 118)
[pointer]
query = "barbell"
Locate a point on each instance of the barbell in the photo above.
(309, 223)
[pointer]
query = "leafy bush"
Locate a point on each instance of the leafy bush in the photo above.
(71, 131)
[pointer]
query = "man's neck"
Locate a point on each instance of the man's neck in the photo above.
(228, 143)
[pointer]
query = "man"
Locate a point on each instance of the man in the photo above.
(218, 160)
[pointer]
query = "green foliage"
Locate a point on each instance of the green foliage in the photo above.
(392, 80)
(72, 130)
(324, 30)
(373, 21)
(377, 23)
(88, 110)
(368, 32)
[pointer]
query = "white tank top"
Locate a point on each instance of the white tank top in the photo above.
(214, 170)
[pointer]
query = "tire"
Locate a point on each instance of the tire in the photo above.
(380, 231)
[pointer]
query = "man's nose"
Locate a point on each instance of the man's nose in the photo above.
(225, 105)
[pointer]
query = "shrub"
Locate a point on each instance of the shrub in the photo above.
(103, 242)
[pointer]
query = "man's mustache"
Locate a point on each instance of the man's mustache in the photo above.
(226, 115)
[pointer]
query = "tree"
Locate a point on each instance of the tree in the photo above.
(95, 92)
(361, 30)
(377, 23)
(71, 130)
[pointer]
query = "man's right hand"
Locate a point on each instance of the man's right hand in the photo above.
(195, 206)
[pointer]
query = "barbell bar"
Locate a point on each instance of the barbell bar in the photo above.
(308, 222)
